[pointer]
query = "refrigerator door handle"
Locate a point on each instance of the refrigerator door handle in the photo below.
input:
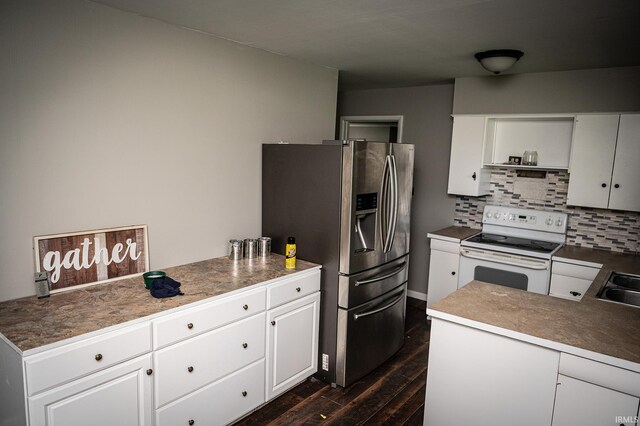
(384, 203)
(394, 271)
(378, 310)
(394, 202)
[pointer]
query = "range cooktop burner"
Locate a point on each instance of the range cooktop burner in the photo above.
(514, 242)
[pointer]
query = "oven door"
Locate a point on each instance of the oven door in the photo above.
(521, 272)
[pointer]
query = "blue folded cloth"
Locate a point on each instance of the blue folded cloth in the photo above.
(165, 287)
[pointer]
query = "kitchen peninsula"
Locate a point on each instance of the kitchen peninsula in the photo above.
(502, 356)
(113, 354)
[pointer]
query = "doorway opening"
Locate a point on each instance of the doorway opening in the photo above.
(378, 128)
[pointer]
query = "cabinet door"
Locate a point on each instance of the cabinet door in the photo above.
(120, 395)
(466, 175)
(292, 351)
(443, 275)
(583, 403)
(592, 152)
(625, 192)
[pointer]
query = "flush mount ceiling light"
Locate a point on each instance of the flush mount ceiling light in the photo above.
(497, 61)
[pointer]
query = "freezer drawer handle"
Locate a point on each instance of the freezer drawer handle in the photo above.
(384, 308)
(377, 278)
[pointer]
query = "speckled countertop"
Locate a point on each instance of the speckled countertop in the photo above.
(456, 232)
(30, 323)
(594, 325)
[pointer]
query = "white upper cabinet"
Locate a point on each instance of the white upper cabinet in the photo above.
(604, 162)
(466, 174)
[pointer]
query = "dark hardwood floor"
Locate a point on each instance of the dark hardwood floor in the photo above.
(391, 395)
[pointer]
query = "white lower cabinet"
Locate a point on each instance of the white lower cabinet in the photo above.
(220, 402)
(443, 269)
(479, 378)
(571, 281)
(583, 403)
(119, 395)
(292, 343)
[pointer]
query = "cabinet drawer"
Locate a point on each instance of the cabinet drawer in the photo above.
(191, 364)
(69, 362)
(600, 374)
(577, 271)
(292, 289)
(179, 326)
(568, 287)
(445, 246)
(219, 403)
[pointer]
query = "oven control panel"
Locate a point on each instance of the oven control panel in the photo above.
(525, 219)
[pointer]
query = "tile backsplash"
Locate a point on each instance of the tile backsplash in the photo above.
(587, 227)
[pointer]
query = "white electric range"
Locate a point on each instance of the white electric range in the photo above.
(514, 248)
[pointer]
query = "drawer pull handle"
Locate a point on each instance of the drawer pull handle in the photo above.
(190, 369)
(149, 372)
(244, 345)
(98, 357)
(453, 272)
(273, 323)
(191, 422)
(244, 393)
(298, 289)
(190, 326)
(245, 307)
(575, 293)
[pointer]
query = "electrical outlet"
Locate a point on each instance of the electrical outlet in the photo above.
(42, 284)
(325, 362)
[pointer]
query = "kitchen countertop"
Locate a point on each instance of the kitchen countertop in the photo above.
(592, 325)
(30, 323)
(457, 233)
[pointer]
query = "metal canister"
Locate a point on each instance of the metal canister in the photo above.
(235, 249)
(250, 248)
(264, 246)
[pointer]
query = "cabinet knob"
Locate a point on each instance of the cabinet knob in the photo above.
(453, 272)
(190, 369)
(604, 185)
(575, 293)
(244, 393)
(244, 345)
(190, 326)
(298, 289)
(617, 185)
(149, 372)
(191, 422)
(245, 307)
(473, 176)
(98, 357)
(273, 323)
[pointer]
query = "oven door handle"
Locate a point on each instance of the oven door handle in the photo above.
(378, 310)
(512, 261)
(375, 279)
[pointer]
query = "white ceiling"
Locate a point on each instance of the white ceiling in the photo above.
(395, 43)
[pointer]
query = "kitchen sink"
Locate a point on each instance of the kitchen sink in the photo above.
(621, 288)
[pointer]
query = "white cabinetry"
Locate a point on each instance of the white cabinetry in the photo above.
(590, 392)
(466, 173)
(443, 269)
(479, 378)
(571, 281)
(91, 381)
(604, 168)
(292, 333)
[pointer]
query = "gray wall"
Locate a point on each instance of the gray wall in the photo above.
(110, 119)
(595, 90)
(427, 124)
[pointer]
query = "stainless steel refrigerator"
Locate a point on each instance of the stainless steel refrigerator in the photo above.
(348, 205)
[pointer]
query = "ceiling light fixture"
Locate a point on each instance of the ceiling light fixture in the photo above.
(499, 60)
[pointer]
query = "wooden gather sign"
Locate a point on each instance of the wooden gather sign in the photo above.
(88, 257)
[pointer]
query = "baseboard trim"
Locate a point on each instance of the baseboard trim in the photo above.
(417, 295)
